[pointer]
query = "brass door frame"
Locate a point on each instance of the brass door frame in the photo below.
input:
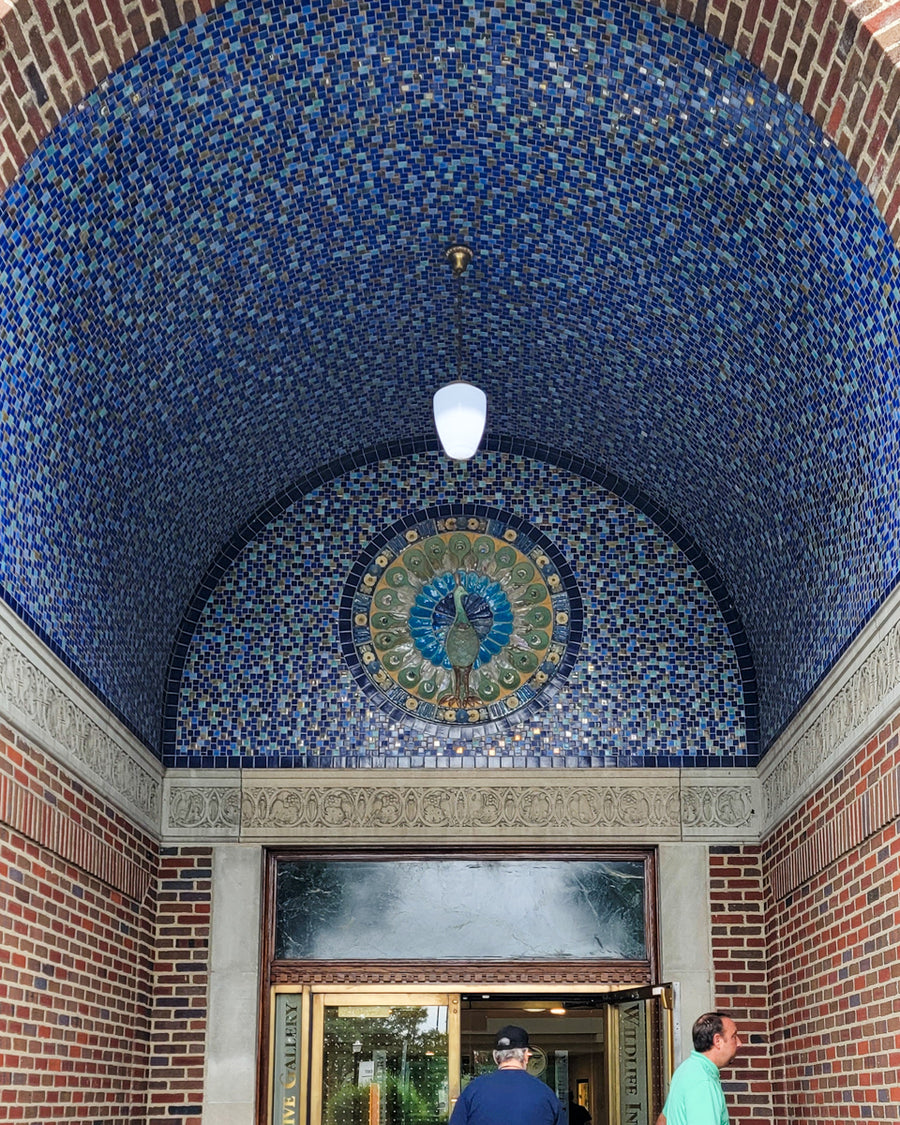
(315, 997)
(327, 995)
(659, 1046)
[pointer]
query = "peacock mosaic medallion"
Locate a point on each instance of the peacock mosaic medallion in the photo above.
(462, 617)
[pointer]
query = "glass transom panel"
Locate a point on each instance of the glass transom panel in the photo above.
(460, 909)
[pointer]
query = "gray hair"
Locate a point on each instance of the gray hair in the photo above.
(511, 1053)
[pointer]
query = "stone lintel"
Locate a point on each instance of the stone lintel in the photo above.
(418, 806)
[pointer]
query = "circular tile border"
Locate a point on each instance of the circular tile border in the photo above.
(461, 619)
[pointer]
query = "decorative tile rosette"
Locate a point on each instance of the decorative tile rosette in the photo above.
(461, 616)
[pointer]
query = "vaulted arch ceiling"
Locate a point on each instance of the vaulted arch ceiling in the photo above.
(234, 245)
(838, 61)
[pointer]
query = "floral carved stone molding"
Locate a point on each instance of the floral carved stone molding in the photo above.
(851, 704)
(213, 809)
(42, 700)
(309, 808)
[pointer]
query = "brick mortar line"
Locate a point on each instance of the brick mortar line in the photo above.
(47, 826)
(862, 818)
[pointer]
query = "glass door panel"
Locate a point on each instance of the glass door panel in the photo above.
(384, 1060)
(640, 1027)
(348, 1057)
(441, 909)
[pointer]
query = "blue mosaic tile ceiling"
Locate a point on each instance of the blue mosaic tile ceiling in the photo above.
(224, 270)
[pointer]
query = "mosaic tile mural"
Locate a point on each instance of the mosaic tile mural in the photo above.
(266, 680)
(461, 616)
(225, 269)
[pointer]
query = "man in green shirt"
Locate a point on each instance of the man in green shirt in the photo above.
(695, 1094)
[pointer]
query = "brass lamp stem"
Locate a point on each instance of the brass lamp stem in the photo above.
(459, 258)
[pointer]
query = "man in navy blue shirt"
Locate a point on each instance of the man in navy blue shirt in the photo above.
(510, 1095)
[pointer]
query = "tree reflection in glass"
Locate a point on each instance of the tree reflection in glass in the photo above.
(385, 1065)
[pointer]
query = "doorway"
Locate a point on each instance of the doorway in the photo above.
(352, 1056)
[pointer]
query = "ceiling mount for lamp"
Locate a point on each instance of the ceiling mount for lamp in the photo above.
(460, 258)
(460, 409)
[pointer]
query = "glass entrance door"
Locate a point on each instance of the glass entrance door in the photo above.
(384, 1059)
(641, 1059)
(354, 1057)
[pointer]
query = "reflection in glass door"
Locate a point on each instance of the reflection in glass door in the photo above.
(384, 1060)
(354, 1057)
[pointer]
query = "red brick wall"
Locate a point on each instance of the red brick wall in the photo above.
(76, 931)
(103, 948)
(834, 942)
(54, 52)
(181, 975)
(740, 949)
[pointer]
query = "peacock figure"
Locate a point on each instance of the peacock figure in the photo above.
(461, 644)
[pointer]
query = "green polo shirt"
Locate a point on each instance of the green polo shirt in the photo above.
(695, 1095)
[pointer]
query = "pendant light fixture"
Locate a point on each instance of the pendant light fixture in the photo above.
(460, 409)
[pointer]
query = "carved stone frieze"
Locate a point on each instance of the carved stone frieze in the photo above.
(40, 698)
(452, 807)
(858, 697)
(719, 807)
(212, 809)
(311, 805)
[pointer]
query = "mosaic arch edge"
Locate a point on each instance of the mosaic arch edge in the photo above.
(590, 472)
(842, 66)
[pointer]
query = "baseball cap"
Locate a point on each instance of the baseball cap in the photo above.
(509, 1037)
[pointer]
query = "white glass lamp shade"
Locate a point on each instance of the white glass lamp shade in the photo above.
(460, 411)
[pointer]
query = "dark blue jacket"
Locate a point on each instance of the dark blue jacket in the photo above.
(507, 1097)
